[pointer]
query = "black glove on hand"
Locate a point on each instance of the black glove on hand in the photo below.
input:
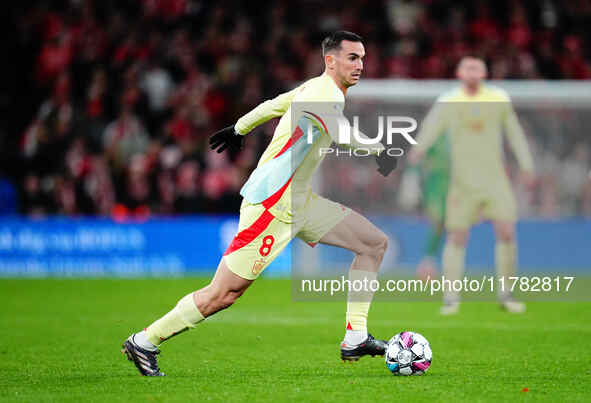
(386, 163)
(226, 138)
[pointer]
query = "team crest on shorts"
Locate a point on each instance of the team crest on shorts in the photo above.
(258, 265)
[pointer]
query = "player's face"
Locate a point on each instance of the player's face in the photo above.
(471, 71)
(348, 62)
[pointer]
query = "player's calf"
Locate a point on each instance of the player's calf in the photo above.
(193, 308)
(214, 299)
(225, 288)
(357, 234)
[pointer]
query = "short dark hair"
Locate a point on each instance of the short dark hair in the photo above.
(333, 41)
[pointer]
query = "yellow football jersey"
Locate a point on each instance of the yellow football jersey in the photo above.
(475, 124)
(281, 180)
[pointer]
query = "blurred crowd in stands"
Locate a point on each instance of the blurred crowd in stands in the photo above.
(113, 100)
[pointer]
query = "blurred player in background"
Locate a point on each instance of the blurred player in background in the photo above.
(434, 174)
(474, 116)
(279, 205)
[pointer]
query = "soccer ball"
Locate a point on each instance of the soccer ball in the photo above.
(408, 353)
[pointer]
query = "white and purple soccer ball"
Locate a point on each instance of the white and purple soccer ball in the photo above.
(408, 353)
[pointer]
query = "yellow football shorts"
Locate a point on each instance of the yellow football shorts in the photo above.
(466, 207)
(261, 237)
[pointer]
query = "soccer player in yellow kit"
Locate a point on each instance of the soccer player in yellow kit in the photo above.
(474, 115)
(279, 205)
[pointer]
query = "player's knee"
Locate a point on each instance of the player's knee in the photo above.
(378, 246)
(458, 238)
(506, 234)
(382, 244)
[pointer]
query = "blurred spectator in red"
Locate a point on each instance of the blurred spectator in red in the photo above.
(56, 53)
(188, 197)
(137, 193)
(180, 127)
(219, 183)
(519, 33)
(572, 63)
(100, 187)
(95, 104)
(44, 142)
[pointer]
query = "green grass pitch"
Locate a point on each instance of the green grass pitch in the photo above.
(60, 341)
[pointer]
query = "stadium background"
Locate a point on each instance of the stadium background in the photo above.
(109, 104)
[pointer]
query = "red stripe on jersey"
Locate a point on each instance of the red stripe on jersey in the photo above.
(320, 120)
(274, 198)
(297, 134)
(249, 234)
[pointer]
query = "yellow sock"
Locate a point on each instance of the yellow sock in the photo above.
(358, 302)
(453, 268)
(505, 258)
(183, 316)
(357, 315)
